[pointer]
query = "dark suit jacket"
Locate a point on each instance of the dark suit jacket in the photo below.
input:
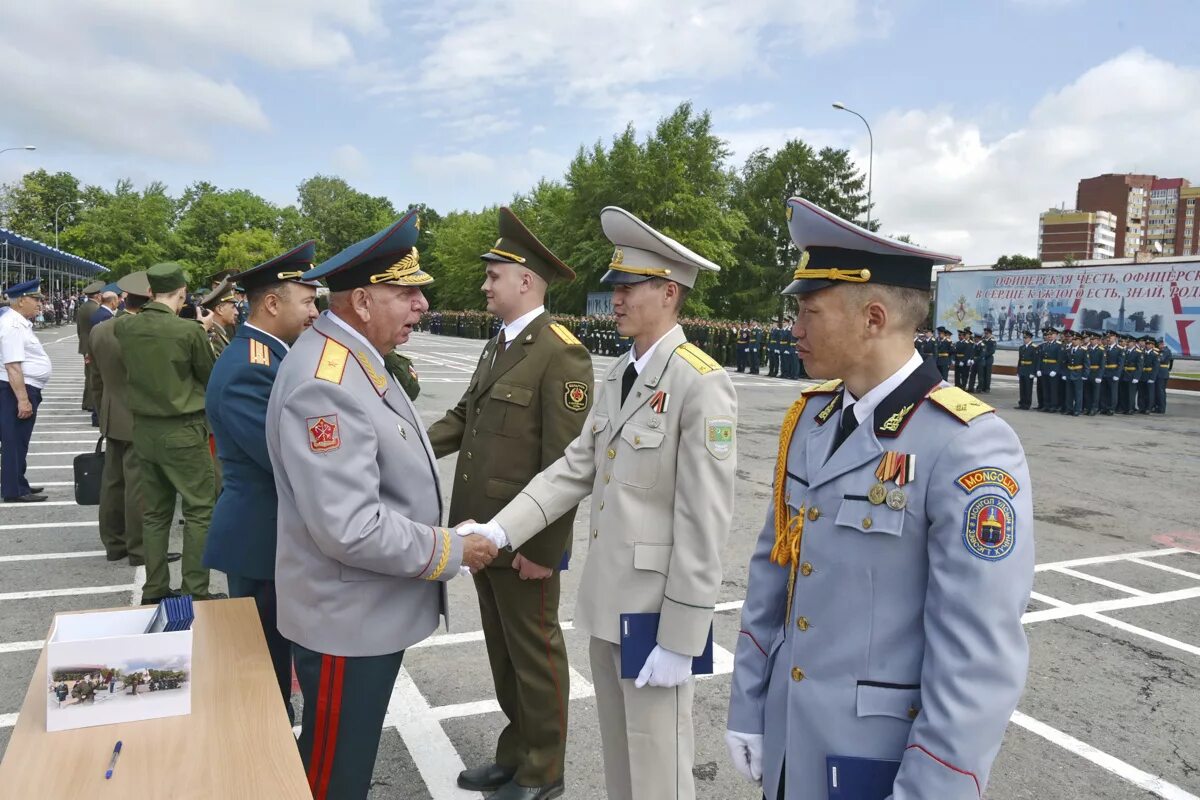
(515, 419)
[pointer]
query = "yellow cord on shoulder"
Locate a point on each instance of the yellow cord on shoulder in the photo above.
(788, 529)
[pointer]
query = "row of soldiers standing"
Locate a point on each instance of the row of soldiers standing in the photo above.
(973, 356)
(1089, 372)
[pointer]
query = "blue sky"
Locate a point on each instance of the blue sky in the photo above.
(984, 113)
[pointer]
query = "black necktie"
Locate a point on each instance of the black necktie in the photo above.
(846, 427)
(627, 381)
(501, 344)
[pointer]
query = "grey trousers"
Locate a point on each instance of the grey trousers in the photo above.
(646, 733)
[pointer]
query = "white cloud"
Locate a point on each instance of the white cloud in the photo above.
(131, 77)
(957, 184)
(439, 177)
(622, 57)
(744, 111)
(349, 161)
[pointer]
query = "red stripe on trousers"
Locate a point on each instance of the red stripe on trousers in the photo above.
(335, 713)
(562, 722)
(314, 759)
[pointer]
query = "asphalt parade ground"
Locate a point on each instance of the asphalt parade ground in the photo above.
(1112, 704)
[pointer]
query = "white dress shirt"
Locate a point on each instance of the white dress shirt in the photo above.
(19, 345)
(641, 361)
(865, 406)
(511, 331)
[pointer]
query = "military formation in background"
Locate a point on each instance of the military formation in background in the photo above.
(751, 347)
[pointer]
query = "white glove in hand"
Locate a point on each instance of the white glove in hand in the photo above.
(1053, 374)
(1097, 380)
(1039, 374)
(1135, 380)
(745, 750)
(664, 668)
(489, 530)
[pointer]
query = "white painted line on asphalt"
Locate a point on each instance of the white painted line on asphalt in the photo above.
(52, 556)
(81, 590)
(1145, 634)
(30, 506)
(59, 452)
(1099, 606)
(1139, 778)
(52, 525)
(1083, 562)
(139, 581)
(1165, 568)
(8, 720)
(53, 466)
(20, 647)
(1120, 587)
(432, 751)
(730, 606)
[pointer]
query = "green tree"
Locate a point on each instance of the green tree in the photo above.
(241, 250)
(337, 215)
(1017, 262)
(766, 256)
(455, 244)
(126, 230)
(29, 204)
(208, 214)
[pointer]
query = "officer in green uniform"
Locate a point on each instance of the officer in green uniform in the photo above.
(526, 402)
(400, 367)
(168, 361)
(222, 302)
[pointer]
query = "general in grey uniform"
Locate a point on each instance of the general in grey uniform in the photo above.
(361, 556)
(657, 456)
(882, 618)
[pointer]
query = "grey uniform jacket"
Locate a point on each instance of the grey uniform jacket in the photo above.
(361, 560)
(661, 483)
(905, 639)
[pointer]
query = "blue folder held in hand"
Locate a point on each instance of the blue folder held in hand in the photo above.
(639, 635)
(854, 778)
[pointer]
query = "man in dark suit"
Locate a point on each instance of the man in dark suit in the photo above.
(1027, 366)
(526, 402)
(241, 537)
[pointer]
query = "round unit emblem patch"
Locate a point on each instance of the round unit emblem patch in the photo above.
(989, 527)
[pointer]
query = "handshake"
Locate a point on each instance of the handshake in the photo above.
(483, 540)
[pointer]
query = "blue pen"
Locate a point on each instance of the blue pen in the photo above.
(113, 763)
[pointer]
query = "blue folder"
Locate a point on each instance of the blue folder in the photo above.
(854, 778)
(639, 635)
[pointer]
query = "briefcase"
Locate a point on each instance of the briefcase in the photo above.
(89, 469)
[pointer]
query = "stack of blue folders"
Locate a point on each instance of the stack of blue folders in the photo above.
(174, 614)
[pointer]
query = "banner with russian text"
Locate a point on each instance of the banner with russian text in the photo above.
(1160, 300)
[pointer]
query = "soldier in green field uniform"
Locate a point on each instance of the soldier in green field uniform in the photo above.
(400, 367)
(168, 361)
(526, 402)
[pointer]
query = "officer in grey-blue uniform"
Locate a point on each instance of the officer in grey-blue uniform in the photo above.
(241, 536)
(882, 618)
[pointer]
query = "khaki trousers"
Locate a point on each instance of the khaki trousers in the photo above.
(646, 733)
(121, 501)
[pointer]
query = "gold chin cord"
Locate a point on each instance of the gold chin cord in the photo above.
(789, 529)
(848, 275)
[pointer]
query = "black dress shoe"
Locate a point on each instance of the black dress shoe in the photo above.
(153, 601)
(488, 778)
(115, 556)
(26, 498)
(515, 791)
(36, 489)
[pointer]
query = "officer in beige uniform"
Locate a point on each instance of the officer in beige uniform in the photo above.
(526, 402)
(657, 456)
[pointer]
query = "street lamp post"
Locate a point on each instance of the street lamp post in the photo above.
(26, 147)
(870, 155)
(60, 205)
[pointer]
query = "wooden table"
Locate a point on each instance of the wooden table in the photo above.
(236, 742)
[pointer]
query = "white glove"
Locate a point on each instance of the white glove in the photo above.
(745, 750)
(1053, 374)
(970, 361)
(1114, 377)
(1097, 380)
(1135, 380)
(664, 668)
(490, 530)
(1039, 373)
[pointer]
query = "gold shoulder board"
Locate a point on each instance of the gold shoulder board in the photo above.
(333, 362)
(699, 359)
(564, 334)
(824, 388)
(259, 353)
(959, 403)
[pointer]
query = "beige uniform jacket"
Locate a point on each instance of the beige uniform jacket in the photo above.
(660, 470)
